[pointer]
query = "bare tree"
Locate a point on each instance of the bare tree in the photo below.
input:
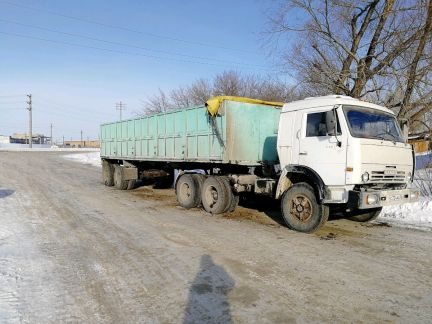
(228, 83)
(156, 104)
(378, 50)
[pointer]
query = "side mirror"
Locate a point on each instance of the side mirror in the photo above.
(331, 122)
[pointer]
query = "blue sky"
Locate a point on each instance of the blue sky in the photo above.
(76, 88)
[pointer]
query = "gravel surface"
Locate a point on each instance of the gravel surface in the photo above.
(72, 250)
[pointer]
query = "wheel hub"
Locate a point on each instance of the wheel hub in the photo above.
(211, 195)
(301, 208)
(185, 190)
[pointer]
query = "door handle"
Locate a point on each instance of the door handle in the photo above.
(302, 153)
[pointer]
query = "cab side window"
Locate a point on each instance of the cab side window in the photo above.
(316, 125)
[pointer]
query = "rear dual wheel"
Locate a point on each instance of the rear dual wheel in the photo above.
(217, 196)
(188, 190)
(119, 181)
(107, 173)
(214, 193)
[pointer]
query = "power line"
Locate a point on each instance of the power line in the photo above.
(127, 29)
(115, 51)
(129, 45)
(10, 96)
(62, 106)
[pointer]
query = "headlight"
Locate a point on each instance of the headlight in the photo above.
(365, 177)
(409, 175)
(415, 195)
(371, 199)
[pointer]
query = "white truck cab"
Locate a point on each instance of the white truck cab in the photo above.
(353, 150)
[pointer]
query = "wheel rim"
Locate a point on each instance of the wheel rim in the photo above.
(185, 190)
(211, 195)
(301, 208)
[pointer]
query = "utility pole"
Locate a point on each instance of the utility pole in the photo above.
(81, 139)
(63, 140)
(51, 138)
(29, 108)
(120, 106)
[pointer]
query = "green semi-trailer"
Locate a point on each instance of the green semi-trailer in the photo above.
(312, 154)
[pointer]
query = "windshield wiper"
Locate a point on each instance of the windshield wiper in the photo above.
(387, 133)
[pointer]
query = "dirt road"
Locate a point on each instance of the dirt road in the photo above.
(72, 250)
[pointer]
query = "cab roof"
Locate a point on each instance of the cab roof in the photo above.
(330, 100)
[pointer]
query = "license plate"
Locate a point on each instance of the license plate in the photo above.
(389, 172)
(395, 197)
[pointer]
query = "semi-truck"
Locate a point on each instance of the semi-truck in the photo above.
(317, 155)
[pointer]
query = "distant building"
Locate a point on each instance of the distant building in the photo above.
(76, 144)
(24, 139)
(4, 139)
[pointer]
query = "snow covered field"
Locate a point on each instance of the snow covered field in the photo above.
(415, 215)
(92, 158)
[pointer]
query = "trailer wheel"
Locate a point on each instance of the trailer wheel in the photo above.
(107, 173)
(363, 215)
(301, 210)
(131, 184)
(199, 178)
(215, 195)
(188, 191)
(232, 200)
(119, 182)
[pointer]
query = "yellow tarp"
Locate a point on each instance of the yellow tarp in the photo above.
(213, 103)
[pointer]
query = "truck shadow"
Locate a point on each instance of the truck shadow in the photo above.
(269, 206)
(6, 192)
(208, 294)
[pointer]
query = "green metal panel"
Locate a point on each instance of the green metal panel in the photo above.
(253, 128)
(242, 133)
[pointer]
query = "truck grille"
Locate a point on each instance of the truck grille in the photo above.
(386, 176)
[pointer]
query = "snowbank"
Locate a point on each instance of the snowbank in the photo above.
(414, 215)
(92, 158)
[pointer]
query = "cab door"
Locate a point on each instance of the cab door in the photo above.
(323, 153)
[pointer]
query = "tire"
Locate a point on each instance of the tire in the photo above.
(215, 195)
(119, 183)
(107, 173)
(187, 191)
(234, 203)
(361, 215)
(300, 209)
(199, 178)
(131, 185)
(232, 199)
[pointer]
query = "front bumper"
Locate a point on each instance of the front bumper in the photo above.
(381, 198)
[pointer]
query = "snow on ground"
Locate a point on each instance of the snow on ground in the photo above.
(92, 158)
(413, 215)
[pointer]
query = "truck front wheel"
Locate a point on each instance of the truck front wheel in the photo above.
(301, 210)
(361, 215)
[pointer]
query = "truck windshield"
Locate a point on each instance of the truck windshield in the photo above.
(371, 123)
